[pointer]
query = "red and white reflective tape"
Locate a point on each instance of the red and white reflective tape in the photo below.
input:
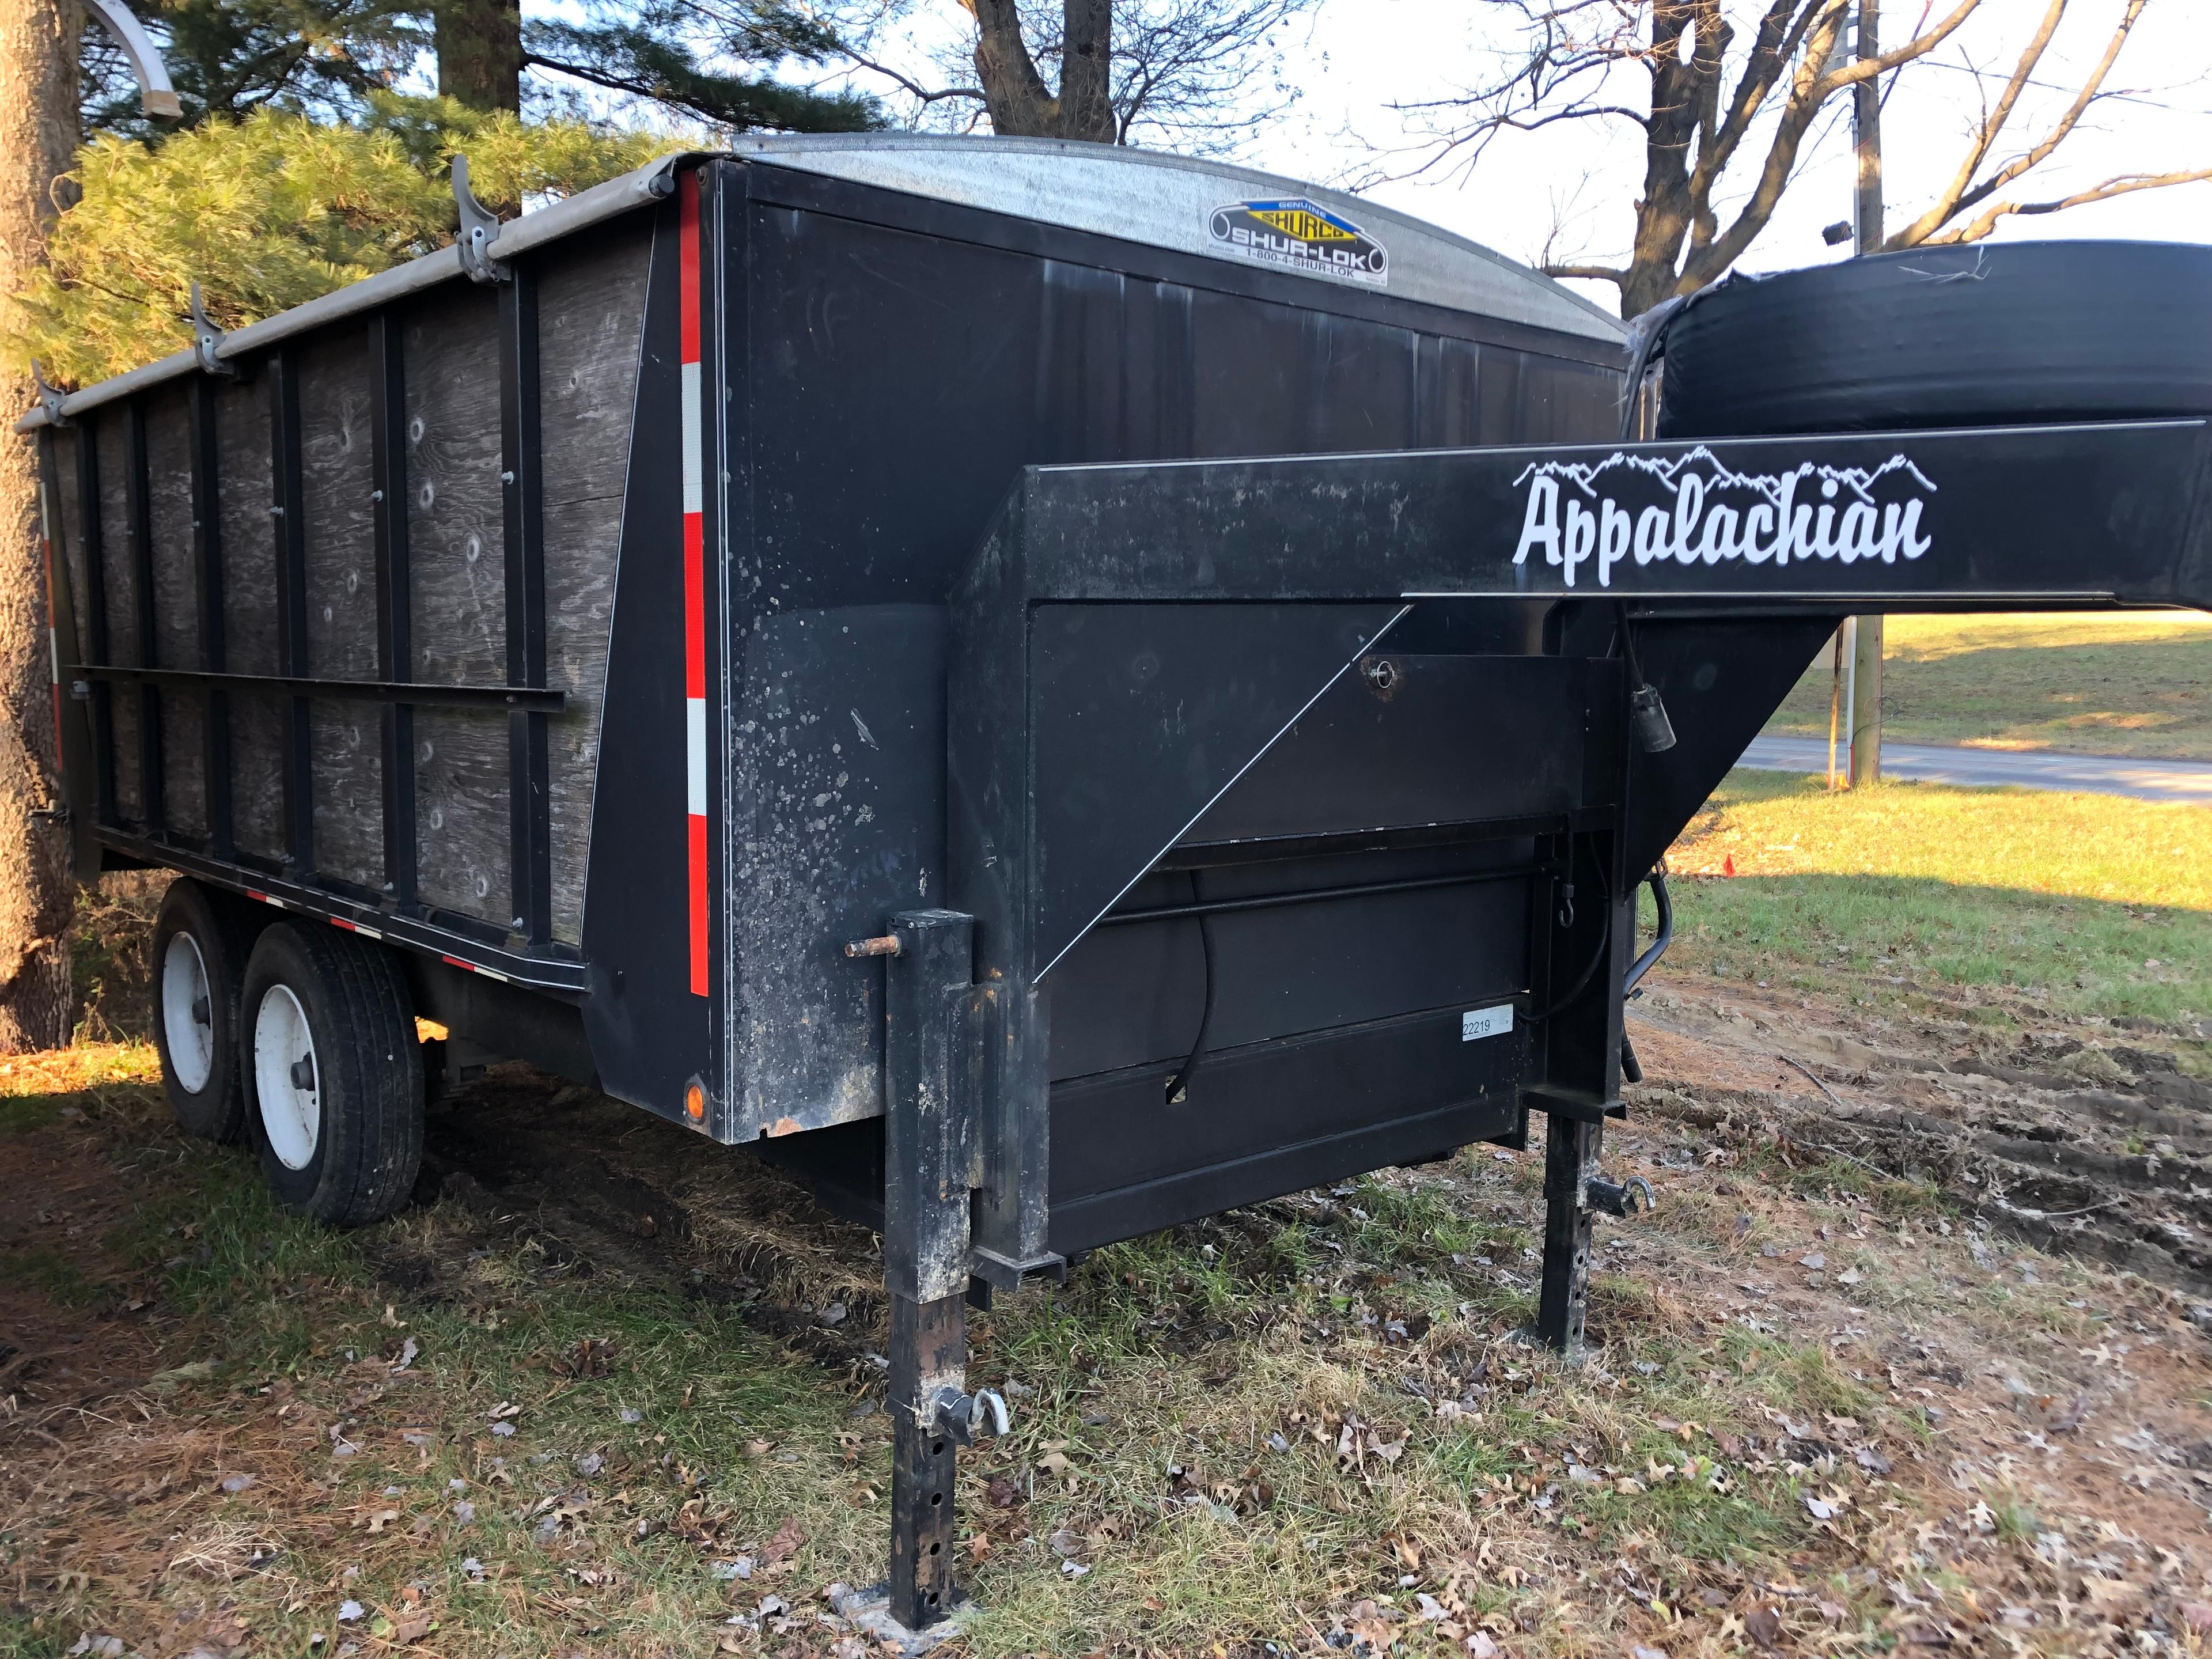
(694, 569)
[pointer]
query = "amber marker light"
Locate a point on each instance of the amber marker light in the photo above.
(695, 1102)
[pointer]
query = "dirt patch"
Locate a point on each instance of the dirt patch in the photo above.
(72, 1329)
(598, 1186)
(2091, 1139)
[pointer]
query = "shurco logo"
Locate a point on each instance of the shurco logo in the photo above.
(1303, 235)
(1694, 510)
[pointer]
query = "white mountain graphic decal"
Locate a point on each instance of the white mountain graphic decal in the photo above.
(1667, 468)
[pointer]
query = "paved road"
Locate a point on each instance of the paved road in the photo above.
(2028, 769)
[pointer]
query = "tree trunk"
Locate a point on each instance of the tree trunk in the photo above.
(1087, 107)
(480, 52)
(38, 136)
(1019, 103)
(1014, 94)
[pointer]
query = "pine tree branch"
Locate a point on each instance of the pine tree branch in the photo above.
(636, 60)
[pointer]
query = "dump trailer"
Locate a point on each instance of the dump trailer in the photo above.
(1052, 690)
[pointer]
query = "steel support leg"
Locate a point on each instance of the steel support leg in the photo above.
(927, 1173)
(929, 1341)
(1570, 1154)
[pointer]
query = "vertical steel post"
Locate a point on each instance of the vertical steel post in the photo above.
(95, 615)
(928, 1156)
(395, 644)
(522, 460)
(287, 476)
(207, 555)
(1583, 1040)
(140, 520)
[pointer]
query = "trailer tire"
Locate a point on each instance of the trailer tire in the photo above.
(2002, 334)
(333, 1074)
(202, 938)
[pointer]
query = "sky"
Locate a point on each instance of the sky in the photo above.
(1358, 67)
(1356, 60)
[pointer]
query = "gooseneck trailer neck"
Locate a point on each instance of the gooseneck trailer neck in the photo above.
(815, 657)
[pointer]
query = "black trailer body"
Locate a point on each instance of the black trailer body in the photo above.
(802, 638)
(586, 630)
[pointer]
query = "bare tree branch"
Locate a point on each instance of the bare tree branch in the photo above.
(2040, 152)
(1729, 80)
(1590, 273)
(1191, 73)
(2126, 185)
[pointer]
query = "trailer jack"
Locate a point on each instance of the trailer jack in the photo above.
(1574, 1194)
(930, 1007)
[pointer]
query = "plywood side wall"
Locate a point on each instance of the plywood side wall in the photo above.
(456, 533)
(335, 472)
(250, 548)
(113, 459)
(448, 469)
(591, 313)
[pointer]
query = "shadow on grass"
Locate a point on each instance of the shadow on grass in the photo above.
(2126, 696)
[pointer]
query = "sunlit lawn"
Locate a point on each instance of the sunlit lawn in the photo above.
(2091, 903)
(2138, 683)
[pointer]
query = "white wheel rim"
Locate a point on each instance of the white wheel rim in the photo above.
(187, 1013)
(287, 1080)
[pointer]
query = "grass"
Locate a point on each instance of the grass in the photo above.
(2089, 903)
(1236, 1427)
(1185, 1407)
(38, 1089)
(2137, 684)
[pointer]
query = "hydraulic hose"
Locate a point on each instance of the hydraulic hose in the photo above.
(1631, 1067)
(1650, 959)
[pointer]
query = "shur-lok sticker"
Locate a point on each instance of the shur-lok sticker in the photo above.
(1303, 235)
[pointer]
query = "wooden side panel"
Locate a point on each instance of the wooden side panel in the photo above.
(455, 535)
(347, 737)
(250, 551)
(183, 762)
(169, 525)
(590, 318)
(247, 527)
(113, 455)
(68, 527)
(456, 546)
(256, 774)
(464, 853)
(176, 609)
(335, 483)
(348, 790)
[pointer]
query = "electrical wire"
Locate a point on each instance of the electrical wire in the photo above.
(1178, 1084)
(1573, 993)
